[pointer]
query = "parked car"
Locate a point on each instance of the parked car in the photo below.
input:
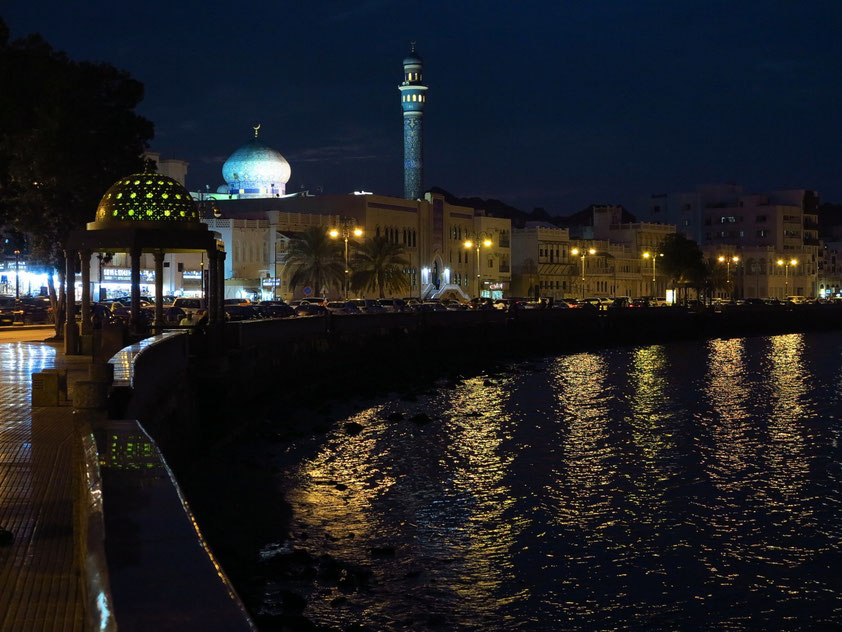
(393, 304)
(368, 305)
(596, 303)
(797, 300)
(190, 305)
(274, 309)
(640, 302)
(342, 307)
(310, 309)
(236, 301)
(620, 302)
(315, 300)
(10, 311)
(432, 306)
(36, 309)
(239, 312)
(454, 306)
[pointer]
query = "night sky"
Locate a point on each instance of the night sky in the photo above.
(552, 104)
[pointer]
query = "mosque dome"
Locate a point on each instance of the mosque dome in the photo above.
(147, 197)
(256, 169)
(413, 59)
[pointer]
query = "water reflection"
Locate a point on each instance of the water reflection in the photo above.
(639, 488)
(586, 471)
(478, 466)
(729, 396)
(791, 411)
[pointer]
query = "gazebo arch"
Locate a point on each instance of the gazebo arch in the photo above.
(142, 213)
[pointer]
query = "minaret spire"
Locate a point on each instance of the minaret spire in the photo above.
(413, 98)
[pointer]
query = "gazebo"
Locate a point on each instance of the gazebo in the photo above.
(142, 213)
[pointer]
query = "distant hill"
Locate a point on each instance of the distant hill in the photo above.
(497, 208)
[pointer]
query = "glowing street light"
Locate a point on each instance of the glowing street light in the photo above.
(786, 264)
(727, 261)
(479, 240)
(654, 257)
(583, 254)
(346, 229)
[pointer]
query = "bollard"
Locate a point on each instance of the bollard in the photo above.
(45, 388)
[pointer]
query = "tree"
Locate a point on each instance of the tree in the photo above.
(379, 265)
(683, 262)
(68, 131)
(315, 260)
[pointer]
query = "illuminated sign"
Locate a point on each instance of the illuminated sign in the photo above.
(124, 275)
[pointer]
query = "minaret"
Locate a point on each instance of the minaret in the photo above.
(413, 97)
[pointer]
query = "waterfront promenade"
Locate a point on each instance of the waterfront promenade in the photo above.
(40, 581)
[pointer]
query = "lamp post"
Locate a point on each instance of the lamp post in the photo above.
(346, 229)
(727, 261)
(654, 257)
(478, 241)
(17, 273)
(583, 254)
(786, 264)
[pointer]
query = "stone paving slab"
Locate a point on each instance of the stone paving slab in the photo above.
(40, 583)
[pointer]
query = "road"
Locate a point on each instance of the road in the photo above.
(28, 334)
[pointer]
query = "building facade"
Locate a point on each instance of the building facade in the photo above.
(769, 242)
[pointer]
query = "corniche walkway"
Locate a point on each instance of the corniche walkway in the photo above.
(40, 583)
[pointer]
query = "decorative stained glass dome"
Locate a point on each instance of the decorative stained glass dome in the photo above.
(146, 197)
(256, 169)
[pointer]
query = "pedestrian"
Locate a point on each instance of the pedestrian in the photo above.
(187, 321)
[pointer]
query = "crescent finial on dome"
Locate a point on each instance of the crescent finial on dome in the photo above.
(255, 129)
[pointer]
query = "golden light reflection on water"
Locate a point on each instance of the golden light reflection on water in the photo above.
(581, 396)
(652, 432)
(610, 490)
(359, 466)
(478, 465)
(729, 394)
(790, 381)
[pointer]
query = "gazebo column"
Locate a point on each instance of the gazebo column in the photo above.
(220, 279)
(71, 330)
(135, 253)
(213, 314)
(87, 326)
(159, 291)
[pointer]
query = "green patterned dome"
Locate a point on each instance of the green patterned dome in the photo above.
(147, 197)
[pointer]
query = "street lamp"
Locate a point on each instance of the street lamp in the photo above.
(786, 264)
(479, 240)
(346, 229)
(583, 254)
(727, 261)
(654, 257)
(17, 273)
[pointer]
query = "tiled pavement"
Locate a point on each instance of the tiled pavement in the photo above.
(40, 585)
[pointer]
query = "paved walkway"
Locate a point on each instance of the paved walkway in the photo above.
(40, 586)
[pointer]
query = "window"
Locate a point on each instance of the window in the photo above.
(491, 263)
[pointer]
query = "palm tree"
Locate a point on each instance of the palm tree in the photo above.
(314, 259)
(379, 265)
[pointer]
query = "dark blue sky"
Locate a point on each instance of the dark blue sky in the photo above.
(553, 104)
